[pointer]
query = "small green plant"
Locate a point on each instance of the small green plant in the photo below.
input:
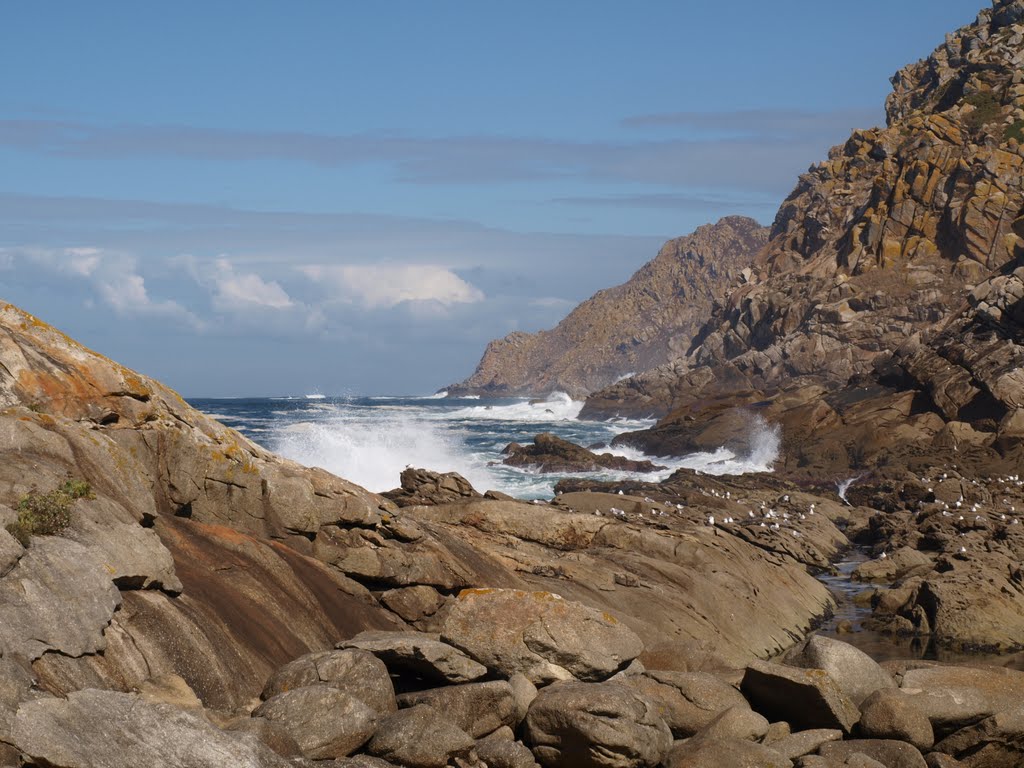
(46, 514)
(986, 109)
(1015, 130)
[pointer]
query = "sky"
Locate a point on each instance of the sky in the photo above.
(271, 198)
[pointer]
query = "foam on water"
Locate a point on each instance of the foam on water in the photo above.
(372, 450)
(557, 407)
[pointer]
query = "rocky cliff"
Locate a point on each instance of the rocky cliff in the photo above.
(646, 321)
(891, 277)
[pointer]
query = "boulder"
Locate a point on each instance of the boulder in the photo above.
(539, 634)
(805, 742)
(273, 734)
(892, 714)
(724, 753)
(77, 732)
(595, 725)
(418, 655)
(687, 701)
(501, 750)
(995, 741)
(325, 722)
(735, 723)
(552, 454)
(856, 673)
(892, 754)
(421, 487)
(355, 671)
(805, 698)
(419, 737)
(476, 708)
(954, 697)
(416, 605)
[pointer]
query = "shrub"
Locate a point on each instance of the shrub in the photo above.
(1015, 131)
(986, 109)
(46, 514)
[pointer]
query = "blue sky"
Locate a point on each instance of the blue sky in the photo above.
(271, 198)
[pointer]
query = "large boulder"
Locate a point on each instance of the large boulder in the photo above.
(325, 722)
(104, 729)
(892, 714)
(953, 697)
(418, 655)
(420, 737)
(476, 708)
(805, 698)
(539, 634)
(995, 741)
(355, 671)
(686, 701)
(595, 725)
(856, 673)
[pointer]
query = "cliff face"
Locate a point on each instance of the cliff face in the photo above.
(883, 242)
(640, 324)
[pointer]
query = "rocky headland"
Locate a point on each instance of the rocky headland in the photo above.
(646, 321)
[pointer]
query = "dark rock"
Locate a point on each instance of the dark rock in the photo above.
(553, 454)
(423, 487)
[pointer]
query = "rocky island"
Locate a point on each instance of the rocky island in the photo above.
(172, 594)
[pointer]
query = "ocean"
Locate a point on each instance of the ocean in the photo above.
(370, 440)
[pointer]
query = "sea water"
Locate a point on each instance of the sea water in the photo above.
(370, 440)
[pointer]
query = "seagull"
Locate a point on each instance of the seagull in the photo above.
(883, 556)
(711, 519)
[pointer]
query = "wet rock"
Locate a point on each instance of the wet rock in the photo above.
(419, 655)
(325, 722)
(419, 737)
(354, 671)
(76, 733)
(552, 454)
(805, 698)
(585, 725)
(539, 634)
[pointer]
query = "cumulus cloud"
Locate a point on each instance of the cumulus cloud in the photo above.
(246, 290)
(381, 286)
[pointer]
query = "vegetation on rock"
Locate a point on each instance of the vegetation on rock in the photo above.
(47, 514)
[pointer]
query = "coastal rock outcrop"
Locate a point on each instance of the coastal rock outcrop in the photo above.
(642, 323)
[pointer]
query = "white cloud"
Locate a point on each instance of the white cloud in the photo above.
(235, 290)
(382, 286)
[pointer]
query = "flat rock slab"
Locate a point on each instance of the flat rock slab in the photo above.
(953, 697)
(595, 725)
(325, 722)
(476, 708)
(355, 671)
(59, 597)
(419, 653)
(77, 732)
(892, 754)
(419, 737)
(804, 698)
(856, 673)
(539, 634)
